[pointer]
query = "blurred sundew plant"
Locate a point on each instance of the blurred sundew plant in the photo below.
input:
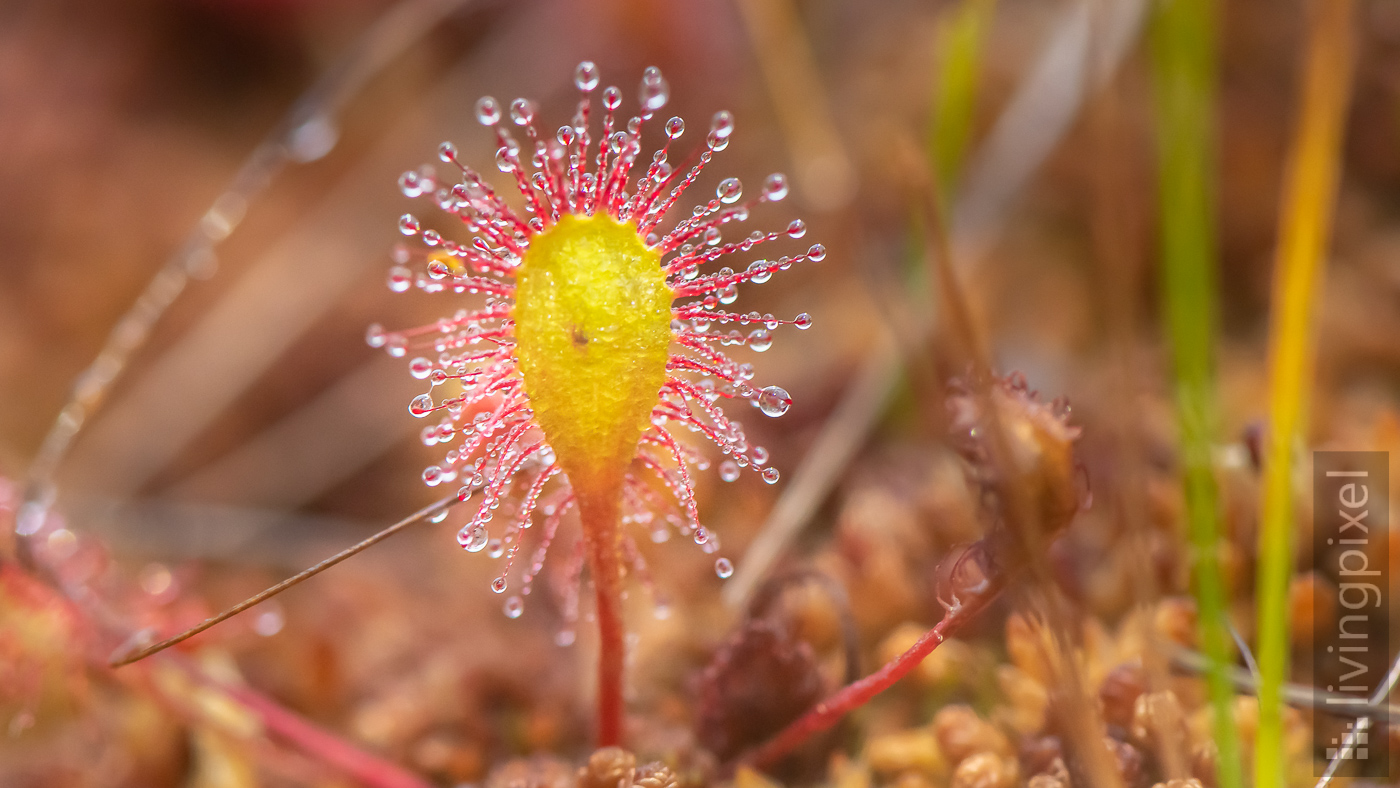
(596, 337)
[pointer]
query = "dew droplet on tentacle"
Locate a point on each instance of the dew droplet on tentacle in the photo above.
(488, 111)
(375, 335)
(729, 191)
(473, 538)
(586, 76)
(722, 125)
(432, 475)
(728, 471)
(759, 272)
(522, 112)
(421, 405)
(774, 401)
(654, 92)
(410, 184)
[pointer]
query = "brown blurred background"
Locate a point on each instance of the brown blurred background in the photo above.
(257, 431)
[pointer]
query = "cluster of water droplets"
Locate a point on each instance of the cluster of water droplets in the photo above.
(475, 404)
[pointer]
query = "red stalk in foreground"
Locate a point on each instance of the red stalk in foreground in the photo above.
(973, 587)
(826, 714)
(1043, 471)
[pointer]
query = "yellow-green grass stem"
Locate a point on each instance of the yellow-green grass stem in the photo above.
(1305, 225)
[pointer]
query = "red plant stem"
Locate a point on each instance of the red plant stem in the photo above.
(362, 767)
(94, 624)
(276, 720)
(599, 514)
(829, 711)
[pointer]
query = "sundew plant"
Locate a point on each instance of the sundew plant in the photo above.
(588, 332)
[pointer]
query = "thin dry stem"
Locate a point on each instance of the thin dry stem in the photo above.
(313, 116)
(1018, 144)
(124, 656)
(1083, 722)
(1362, 725)
(824, 172)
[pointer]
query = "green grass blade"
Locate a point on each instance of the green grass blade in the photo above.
(959, 46)
(1184, 70)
